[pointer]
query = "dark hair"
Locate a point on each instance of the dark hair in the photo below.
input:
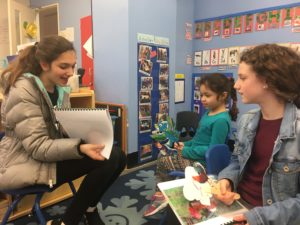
(279, 67)
(28, 61)
(219, 84)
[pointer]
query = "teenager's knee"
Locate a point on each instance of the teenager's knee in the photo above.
(118, 158)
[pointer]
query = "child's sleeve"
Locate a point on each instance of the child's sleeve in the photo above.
(219, 134)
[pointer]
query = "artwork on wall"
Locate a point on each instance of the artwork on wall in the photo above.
(223, 56)
(233, 55)
(261, 19)
(214, 57)
(198, 59)
(206, 58)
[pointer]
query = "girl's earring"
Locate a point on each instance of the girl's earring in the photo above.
(265, 86)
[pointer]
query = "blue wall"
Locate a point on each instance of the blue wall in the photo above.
(183, 48)
(157, 18)
(70, 13)
(216, 8)
(116, 24)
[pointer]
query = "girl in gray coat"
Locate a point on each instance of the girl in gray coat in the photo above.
(34, 149)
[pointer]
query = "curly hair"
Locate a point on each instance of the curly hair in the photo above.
(279, 67)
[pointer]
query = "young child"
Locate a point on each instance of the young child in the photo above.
(213, 129)
(264, 168)
(34, 150)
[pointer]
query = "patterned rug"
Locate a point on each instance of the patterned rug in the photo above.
(123, 204)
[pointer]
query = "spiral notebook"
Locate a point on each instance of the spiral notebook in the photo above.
(189, 213)
(94, 126)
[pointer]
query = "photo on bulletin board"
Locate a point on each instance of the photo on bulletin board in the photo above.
(164, 95)
(145, 97)
(162, 55)
(145, 52)
(145, 152)
(146, 83)
(152, 95)
(163, 69)
(198, 58)
(197, 83)
(163, 108)
(196, 108)
(233, 55)
(145, 125)
(145, 110)
(146, 67)
(206, 58)
(163, 82)
(197, 95)
(223, 56)
(160, 117)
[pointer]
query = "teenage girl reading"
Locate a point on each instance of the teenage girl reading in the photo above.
(213, 128)
(34, 150)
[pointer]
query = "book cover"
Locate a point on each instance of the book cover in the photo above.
(195, 213)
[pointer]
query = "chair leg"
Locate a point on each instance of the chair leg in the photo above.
(37, 208)
(10, 209)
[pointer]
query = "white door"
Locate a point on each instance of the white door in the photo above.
(18, 13)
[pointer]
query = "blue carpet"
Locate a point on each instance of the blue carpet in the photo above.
(123, 204)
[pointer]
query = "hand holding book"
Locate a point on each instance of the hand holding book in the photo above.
(94, 151)
(222, 191)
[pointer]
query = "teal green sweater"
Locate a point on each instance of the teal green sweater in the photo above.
(211, 130)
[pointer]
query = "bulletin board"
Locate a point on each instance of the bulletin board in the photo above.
(153, 94)
(196, 95)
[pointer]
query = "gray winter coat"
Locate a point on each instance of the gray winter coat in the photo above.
(33, 142)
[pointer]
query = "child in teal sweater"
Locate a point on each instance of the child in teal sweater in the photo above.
(213, 128)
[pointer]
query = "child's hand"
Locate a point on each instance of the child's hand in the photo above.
(178, 145)
(226, 195)
(93, 151)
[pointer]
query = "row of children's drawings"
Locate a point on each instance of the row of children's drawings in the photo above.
(227, 56)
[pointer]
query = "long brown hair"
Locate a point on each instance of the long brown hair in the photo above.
(279, 67)
(219, 84)
(28, 61)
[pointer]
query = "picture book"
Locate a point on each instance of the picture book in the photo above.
(198, 208)
(94, 126)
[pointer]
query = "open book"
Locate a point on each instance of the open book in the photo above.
(94, 126)
(195, 213)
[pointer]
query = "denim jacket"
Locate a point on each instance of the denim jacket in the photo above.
(281, 181)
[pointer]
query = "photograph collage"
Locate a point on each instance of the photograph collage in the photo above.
(153, 93)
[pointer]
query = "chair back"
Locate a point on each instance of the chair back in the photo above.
(217, 158)
(187, 124)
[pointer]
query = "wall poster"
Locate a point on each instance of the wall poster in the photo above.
(153, 94)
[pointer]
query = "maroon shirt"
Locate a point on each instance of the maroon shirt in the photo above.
(250, 187)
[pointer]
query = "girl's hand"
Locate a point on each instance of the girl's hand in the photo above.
(178, 145)
(93, 151)
(240, 219)
(226, 195)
